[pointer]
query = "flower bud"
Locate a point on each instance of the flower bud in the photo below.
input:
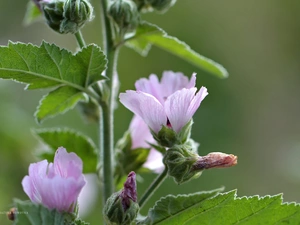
(161, 5)
(67, 16)
(125, 14)
(53, 12)
(122, 208)
(180, 161)
(215, 160)
(76, 14)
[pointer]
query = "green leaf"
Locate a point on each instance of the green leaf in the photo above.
(48, 65)
(149, 34)
(71, 140)
(204, 208)
(29, 214)
(32, 14)
(58, 102)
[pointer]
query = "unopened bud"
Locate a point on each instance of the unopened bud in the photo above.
(161, 5)
(53, 12)
(180, 160)
(76, 14)
(215, 160)
(125, 14)
(122, 208)
(67, 16)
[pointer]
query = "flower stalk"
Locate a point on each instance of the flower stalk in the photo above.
(153, 187)
(107, 134)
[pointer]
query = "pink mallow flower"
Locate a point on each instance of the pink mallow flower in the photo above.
(172, 102)
(140, 138)
(55, 185)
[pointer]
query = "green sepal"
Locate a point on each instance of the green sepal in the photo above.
(114, 213)
(128, 159)
(166, 137)
(185, 132)
(180, 160)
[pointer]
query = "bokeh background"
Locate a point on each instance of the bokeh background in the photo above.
(253, 114)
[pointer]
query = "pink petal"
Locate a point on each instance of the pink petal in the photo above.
(172, 82)
(37, 171)
(150, 86)
(67, 164)
(60, 193)
(202, 93)
(177, 106)
(140, 133)
(192, 82)
(155, 161)
(146, 106)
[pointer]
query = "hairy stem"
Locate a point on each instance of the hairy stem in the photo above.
(107, 136)
(153, 187)
(79, 39)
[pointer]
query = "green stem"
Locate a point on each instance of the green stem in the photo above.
(153, 187)
(80, 39)
(107, 137)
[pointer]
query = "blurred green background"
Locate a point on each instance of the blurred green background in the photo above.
(253, 114)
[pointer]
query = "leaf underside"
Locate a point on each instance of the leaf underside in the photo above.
(148, 34)
(205, 208)
(71, 140)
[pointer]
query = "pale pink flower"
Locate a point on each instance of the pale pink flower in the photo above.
(172, 102)
(140, 138)
(55, 185)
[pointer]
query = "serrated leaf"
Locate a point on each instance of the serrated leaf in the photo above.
(48, 66)
(29, 214)
(32, 14)
(59, 101)
(149, 34)
(71, 140)
(226, 208)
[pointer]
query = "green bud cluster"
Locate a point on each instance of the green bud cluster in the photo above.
(67, 16)
(157, 5)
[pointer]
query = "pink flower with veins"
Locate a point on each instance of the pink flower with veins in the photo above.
(140, 138)
(55, 185)
(171, 102)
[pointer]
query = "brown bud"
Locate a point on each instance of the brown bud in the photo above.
(11, 214)
(215, 160)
